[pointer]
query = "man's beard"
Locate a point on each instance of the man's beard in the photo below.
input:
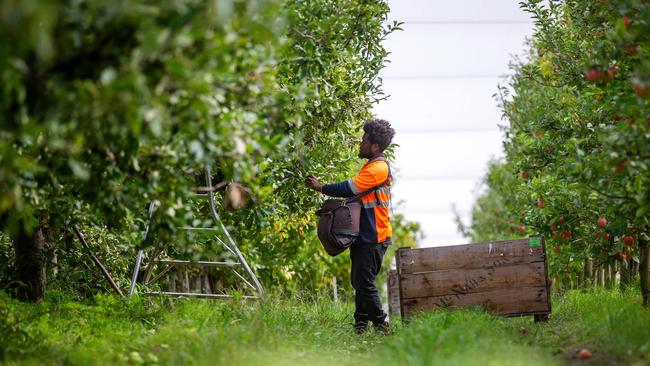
(363, 155)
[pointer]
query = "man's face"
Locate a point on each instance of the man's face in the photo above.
(365, 149)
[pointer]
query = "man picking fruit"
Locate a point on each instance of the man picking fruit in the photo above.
(367, 252)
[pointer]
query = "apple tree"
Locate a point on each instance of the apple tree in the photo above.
(107, 106)
(577, 141)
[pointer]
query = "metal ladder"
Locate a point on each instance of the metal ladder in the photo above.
(254, 287)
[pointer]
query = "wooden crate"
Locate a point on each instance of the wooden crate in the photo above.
(505, 278)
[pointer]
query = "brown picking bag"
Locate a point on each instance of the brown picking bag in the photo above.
(338, 221)
(338, 225)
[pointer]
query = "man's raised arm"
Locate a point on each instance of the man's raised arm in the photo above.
(341, 189)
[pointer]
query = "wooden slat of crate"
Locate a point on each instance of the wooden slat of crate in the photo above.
(468, 256)
(455, 281)
(504, 301)
(393, 293)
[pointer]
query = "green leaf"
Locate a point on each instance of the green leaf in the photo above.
(79, 169)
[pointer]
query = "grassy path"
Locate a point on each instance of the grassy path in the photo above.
(284, 332)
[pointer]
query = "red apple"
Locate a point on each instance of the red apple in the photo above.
(594, 75)
(628, 240)
(621, 257)
(641, 89)
(540, 203)
(584, 354)
(627, 21)
(631, 49)
(561, 221)
(618, 168)
(522, 228)
(566, 234)
(602, 221)
(606, 236)
(525, 174)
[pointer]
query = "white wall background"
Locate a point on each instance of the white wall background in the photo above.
(445, 67)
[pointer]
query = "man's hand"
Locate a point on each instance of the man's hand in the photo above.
(312, 182)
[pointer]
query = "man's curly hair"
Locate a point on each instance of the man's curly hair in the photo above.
(379, 132)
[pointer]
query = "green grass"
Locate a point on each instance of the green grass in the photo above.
(305, 331)
(613, 325)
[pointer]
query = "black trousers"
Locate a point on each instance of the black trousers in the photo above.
(366, 263)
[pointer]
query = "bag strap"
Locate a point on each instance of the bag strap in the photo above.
(373, 189)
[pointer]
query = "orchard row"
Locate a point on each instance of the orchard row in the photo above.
(577, 139)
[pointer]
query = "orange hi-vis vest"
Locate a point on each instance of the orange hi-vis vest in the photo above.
(374, 225)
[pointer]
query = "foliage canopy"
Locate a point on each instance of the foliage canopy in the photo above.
(107, 106)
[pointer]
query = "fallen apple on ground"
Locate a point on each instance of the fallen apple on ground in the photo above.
(584, 354)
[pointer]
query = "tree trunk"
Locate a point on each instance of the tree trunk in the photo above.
(600, 276)
(185, 279)
(644, 274)
(610, 275)
(581, 279)
(207, 289)
(589, 266)
(30, 264)
(626, 278)
(171, 282)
